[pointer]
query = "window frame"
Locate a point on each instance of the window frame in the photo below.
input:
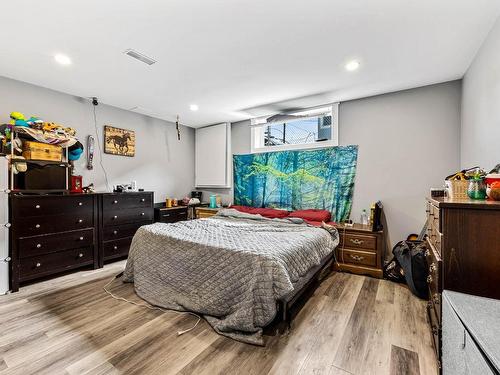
(258, 125)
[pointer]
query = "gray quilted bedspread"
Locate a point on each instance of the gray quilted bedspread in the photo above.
(231, 268)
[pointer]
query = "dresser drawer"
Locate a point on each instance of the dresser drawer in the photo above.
(116, 248)
(126, 200)
(435, 265)
(30, 246)
(365, 258)
(32, 226)
(126, 216)
(23, 207)
(121, 231)
(359, 241)
(47, 264)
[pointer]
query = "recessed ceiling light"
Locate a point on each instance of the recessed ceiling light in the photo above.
(351, 66)
(62, 59)
(193, 107)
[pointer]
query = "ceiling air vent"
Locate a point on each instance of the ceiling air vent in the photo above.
(139, 56)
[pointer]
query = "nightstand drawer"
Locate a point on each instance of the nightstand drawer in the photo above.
(365, 258)
(205, 212)
(359, 241)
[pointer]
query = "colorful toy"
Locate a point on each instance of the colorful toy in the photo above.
(35, 123)
(18, 119)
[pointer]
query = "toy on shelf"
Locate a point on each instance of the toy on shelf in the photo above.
(18, 119)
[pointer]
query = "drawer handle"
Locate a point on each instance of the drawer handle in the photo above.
(356, 241)
(429, 279)
(37, 226)
(38, 245)
(435, 298)
(463, 343)
(143, 200)
(115, 217)
(81, 238)
(142, 214)
(80, 220)
(357, 257)
(115, 202)
(165, 215)
(432, 267)
(38, 265)
(80, 203)
(115, 247)
(80, 255)
(115, 232)
(37, 206)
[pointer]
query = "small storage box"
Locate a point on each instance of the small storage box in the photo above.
(41, 151)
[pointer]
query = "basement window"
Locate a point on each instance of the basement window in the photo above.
(295, 130)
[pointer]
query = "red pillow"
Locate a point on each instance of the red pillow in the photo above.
(312, 215)
(270, 213)
(243, 208)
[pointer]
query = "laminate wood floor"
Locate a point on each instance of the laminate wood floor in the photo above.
(350, 325)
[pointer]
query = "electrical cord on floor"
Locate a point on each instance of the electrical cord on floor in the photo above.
(151, 307)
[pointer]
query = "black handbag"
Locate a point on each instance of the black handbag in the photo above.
(411, 257)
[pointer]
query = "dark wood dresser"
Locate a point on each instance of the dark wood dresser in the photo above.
(170, 214)
(51, 234)
(360, 250)
(121, 214)
(463, 252)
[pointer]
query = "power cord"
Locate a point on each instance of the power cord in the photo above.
(94, 105)
(151, 307)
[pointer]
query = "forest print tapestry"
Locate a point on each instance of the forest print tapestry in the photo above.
(294, 180)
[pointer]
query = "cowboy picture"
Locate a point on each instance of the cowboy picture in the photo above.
(119, 141)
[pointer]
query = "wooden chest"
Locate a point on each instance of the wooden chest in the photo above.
(360, 250)
(51, 234)
(121, 214)
(41, 151)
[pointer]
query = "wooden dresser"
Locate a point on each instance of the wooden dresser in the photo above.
(121, 215)
(51, 234)
(170, 214)
(463, 252)
(360, 250)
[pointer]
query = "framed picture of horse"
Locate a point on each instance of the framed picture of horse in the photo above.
(119, 141)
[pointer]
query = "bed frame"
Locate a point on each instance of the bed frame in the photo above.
(284, 316)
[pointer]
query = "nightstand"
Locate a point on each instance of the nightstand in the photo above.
(170, 214)
(361, 250)
(201, 212)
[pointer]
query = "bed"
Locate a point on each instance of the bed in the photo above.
(238, 270)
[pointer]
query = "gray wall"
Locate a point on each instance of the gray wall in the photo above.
(161, 164)
(480, 134)
(408, 142)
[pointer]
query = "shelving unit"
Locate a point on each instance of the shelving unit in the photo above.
(13, 159)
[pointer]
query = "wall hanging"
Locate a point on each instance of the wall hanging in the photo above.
(119, 141)
(321, 179)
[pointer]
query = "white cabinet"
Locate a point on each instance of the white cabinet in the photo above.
(213, 156)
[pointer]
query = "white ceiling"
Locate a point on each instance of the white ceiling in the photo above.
(235, 57)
